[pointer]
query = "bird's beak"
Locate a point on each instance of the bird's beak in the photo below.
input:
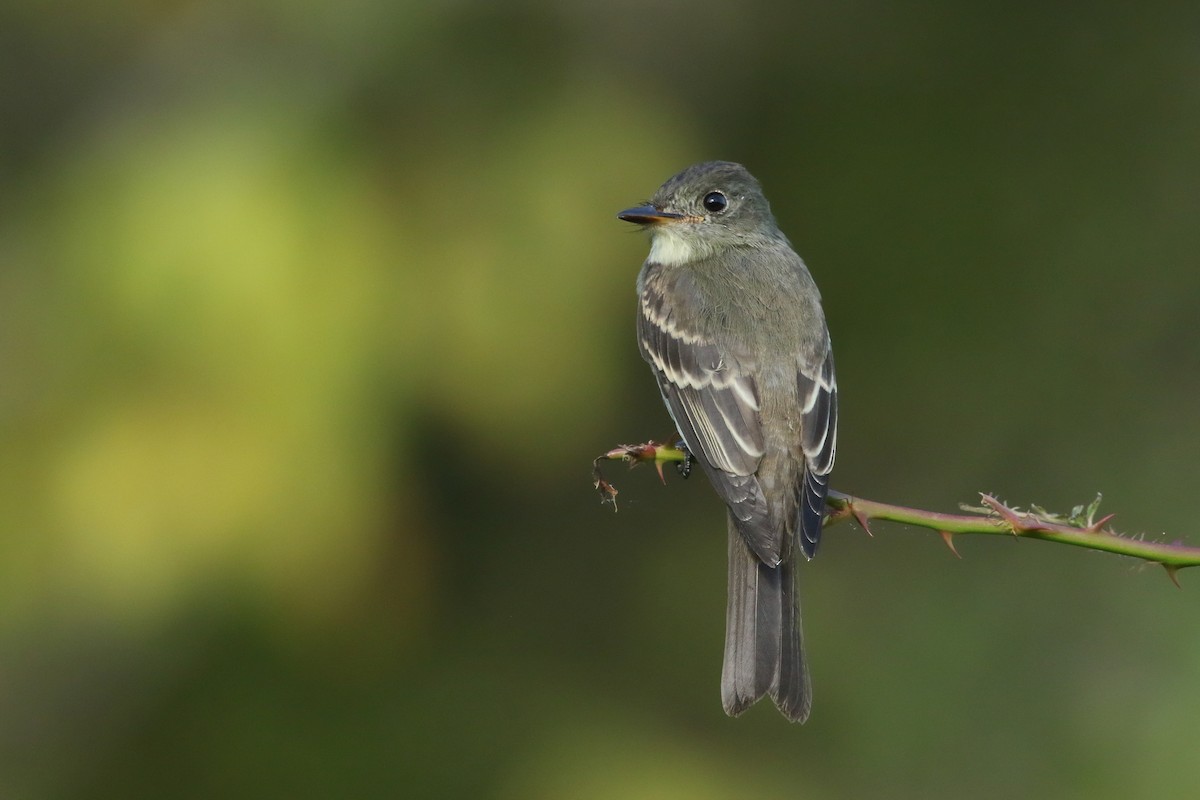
(648, 215)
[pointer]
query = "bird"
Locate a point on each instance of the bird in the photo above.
(731, 323)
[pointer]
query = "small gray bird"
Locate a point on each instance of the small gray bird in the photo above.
(731, 323)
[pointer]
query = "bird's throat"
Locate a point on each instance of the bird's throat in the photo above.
(672, 247)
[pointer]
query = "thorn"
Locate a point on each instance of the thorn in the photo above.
(1015, 521)
(948, 538)
(1004, 512)
(658, 466)
(862, 519)
(1098, 525)
(1171, 570)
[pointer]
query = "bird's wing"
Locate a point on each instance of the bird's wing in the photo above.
(714, 402)
(817, 386)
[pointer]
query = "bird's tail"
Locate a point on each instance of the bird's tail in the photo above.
(764, 648)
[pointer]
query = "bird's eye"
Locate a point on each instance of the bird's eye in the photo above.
(715, 202)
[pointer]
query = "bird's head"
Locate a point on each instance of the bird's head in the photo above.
(703, 210)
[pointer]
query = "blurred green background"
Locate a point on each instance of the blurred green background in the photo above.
(313, 315)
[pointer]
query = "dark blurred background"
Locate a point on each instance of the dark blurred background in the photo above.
(313, 315)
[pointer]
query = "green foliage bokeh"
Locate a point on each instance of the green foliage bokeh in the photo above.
(313, 317)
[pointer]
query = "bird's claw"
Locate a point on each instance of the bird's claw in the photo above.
(685, 466)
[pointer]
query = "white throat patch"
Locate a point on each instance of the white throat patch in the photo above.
(671, 249)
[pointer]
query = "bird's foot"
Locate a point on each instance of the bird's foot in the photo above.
(684, 466)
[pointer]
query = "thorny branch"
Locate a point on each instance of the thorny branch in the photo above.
(1080, 528)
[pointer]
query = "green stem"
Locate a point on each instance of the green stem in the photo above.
(1008, 522)
(995, 519)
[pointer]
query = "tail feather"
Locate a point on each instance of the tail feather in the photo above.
(764, 647)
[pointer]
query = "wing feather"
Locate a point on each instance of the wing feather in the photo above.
(714, 402)
(818, 394)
